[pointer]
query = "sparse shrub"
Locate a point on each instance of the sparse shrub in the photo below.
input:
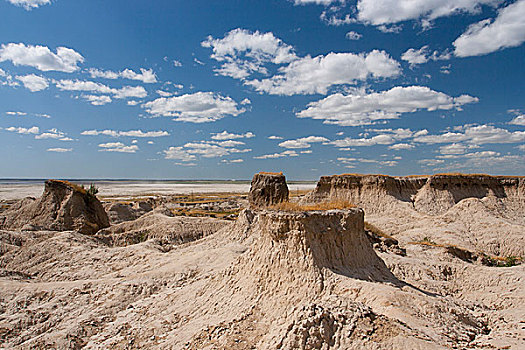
(511, 261)
(92, 190)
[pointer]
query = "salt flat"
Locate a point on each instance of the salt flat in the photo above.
(17, 190)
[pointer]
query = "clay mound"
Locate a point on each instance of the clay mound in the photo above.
(374, 193)
(161, 225)
(442, 192)
(120, 212)
(268, 189)
(62, 207)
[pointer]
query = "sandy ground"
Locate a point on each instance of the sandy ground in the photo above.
(130, 189)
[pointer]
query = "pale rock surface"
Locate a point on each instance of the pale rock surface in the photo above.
(63, 206)
(268, 189)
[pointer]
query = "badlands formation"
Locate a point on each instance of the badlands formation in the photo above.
(429, 262)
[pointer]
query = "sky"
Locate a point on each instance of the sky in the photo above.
(203, 89)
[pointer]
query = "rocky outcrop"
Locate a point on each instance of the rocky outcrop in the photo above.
(268, 189)
(163, 227)
(62, 207)
(431, 195)
(120, 212)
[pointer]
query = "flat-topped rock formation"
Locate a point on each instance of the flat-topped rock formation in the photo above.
(482, 212)
(267, 189)
(428, 194)
(63, 206)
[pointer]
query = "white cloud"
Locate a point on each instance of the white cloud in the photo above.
(363, 109)
(41, 57)
(177, 63)
(278, 155)
(423, 55)
(351, 35)
(118, 147)
(147, 76)
(375, 140)
(507, 30)
(33, 82)
(20, 130)
(243, 54)
(254, 48)
(455, 148)
(474, 134)
(317, 2)
(390, 28)
(130, 133)
(349, 162)
(206, 149)
(53, 134)
(233, 161)
(91, 86)
(303, 142)
(29, 4)
(199, 107)
(519, 120)
(521, 147)
(60, 150)
(310, 75)
(380, 12)
(130, 92)
(400, 146)
(230, 136)
(97, 100)
(16, 113)
(274, 137)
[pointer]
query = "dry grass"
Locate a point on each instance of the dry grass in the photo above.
(270, 173)
(376, 230)
(73, 186)
(296, 207)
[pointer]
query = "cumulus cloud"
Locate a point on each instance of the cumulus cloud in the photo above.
(311, 75)
(283, 154)
(60, 150)
(199, 107)
(41, 57)
(53, 134)
(507, 30)
(274, 137)
(474, 134)
(243, 52)
(29, 4)
(423, 55)
(381, 12)
(147, 76)
(401, 146)
(384, 137)
(21, 130)
(94, 87)
(349, 162)
(118, 147)
(33, 82)
(303, 142)
(317, 2)
(364, 109)
(97, 100)
(129, 133)
(225, 135)
(206, 149)
(351, 35)
(519, 120)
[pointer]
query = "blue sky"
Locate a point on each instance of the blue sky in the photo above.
(223, 89)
